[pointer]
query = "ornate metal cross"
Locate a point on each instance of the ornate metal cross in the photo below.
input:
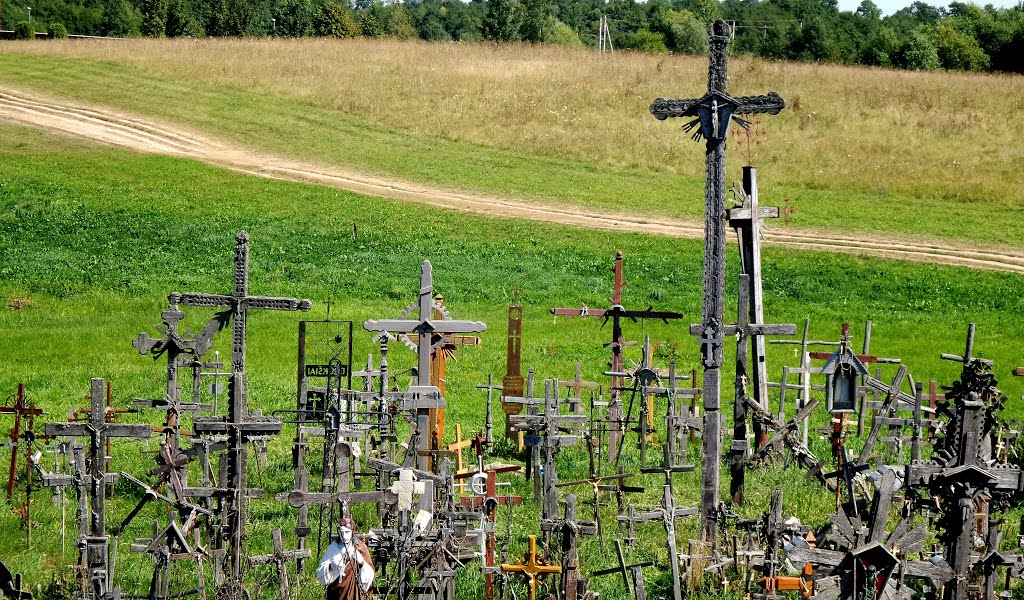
(240, 302)
(712, 113)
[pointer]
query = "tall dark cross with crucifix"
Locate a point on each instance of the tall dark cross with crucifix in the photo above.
(616, 312)
(711, 115)
(426, 325)
(94, 549)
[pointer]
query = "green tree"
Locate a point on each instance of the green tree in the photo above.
(120, 19)
(334, 19)
(293, 17)
(881, 48)
(563, 35)
(503, 20)
(57, 31)
(957, 50)
(182, 21)
(400, 23)
(538, 20)
(372, 20)
(23, 31)
(154, 17)
(918, 53)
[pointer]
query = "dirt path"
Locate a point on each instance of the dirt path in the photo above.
(142, 135)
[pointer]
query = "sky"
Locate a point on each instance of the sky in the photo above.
(890, 6)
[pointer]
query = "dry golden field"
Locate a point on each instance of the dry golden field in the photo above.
(952, 135)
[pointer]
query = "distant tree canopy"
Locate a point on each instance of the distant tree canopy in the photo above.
(959, 36)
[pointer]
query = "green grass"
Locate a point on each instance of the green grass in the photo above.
(302, 124)
(95, 238)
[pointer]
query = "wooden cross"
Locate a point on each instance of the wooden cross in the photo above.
(458, 446)
(512, 383)
(757, 377)
(533, 569)
(893, 395)
(712, 113)
(597, 485)
(667, 514)
(280, 558)
(426, 325)
(962, 470)
(489, 500)
(570, 529)
(240, 302)
(528, 401)
(616, 312)
(550, 425)
(872, 560)
(22, 408)
(239, 426)
(576, 386)
(747, 220)
(178, 349)
(94, 552)
(636, 569)
(785, 434)
(680, 419)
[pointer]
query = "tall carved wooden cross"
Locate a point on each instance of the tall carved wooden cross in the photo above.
(712, 114)
(513, 382)
(425, 325)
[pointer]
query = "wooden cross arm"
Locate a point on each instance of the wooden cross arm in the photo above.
(86, 430)
(267, 559)
(742, 213)
(260, 302)
(652, 515)
(247, 428)
(770, 103)
(754, 329)
(583, 311)
(210, 492)
(438, 326)
(885, 388)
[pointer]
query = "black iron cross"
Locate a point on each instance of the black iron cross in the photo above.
(712, 113)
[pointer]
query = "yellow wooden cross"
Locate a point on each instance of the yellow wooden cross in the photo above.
(458, 446)
(533, 568)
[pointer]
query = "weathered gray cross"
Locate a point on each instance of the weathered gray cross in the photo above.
(712, 112)
(425, 326)
(240, 302)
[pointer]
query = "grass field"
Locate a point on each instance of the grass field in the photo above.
(95, 238)
(881, 153)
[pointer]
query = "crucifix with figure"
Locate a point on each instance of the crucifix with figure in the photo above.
(427, 324)
(710, 116)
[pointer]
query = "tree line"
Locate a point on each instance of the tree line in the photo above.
(960, 36)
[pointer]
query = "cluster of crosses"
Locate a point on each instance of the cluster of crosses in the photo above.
(907, 521)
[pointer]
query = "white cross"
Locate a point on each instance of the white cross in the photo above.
(405, 488)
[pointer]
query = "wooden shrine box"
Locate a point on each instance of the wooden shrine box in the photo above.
(843, 372)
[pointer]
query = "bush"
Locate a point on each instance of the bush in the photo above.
(563, 35)
(57, 31)
(918, 53)
(23, 31)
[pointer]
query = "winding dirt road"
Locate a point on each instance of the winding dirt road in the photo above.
(143, 135)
